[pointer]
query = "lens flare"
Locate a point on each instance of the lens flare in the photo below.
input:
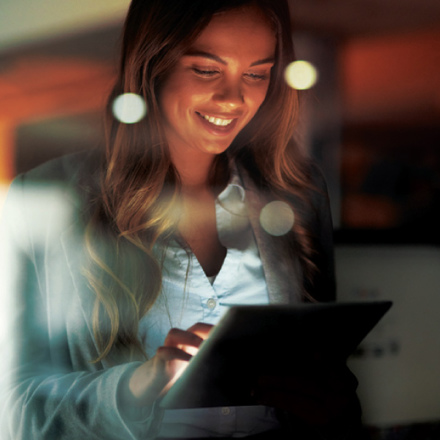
(301, 75)
(277, 218)
(129, 108)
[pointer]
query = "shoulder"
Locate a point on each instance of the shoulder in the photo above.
(318, 193)
(318, 213)
(317, 177)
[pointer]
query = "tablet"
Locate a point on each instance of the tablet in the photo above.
(269, 339)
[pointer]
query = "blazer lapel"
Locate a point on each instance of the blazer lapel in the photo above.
(283, 274)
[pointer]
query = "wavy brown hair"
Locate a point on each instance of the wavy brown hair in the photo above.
(140, 186)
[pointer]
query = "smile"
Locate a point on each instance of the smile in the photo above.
(217, 121)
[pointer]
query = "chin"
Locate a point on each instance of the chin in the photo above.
(217, 149)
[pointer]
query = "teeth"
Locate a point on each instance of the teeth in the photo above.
(218, 121)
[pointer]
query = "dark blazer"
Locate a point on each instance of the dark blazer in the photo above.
(50, 389)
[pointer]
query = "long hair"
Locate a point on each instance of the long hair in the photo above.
(140, 186)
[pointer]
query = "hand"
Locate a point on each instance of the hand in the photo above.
(318, 396)
(154, 377)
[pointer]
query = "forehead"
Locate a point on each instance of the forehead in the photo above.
(244, 30)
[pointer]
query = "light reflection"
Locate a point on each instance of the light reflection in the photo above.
(129, 108)
(301, 75)
(277, 218)
(200, 329)
(31, 217)
(180, 366)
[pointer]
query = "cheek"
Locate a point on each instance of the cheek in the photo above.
(172, 94)
(257, 98)
(181, 97)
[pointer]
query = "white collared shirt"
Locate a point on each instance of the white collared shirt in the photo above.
(189, 296)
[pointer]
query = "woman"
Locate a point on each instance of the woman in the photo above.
(163, 232)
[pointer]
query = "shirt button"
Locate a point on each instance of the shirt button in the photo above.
(226, 411)
(211, 303)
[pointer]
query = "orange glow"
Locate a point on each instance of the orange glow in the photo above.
(39, 88)
(392, 74)
(7, 138)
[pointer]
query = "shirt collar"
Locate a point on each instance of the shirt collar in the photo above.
(235, 185)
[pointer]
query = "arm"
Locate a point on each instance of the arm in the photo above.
(43, 394)
(43, 397)
(321, 228)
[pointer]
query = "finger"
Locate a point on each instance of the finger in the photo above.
(167, 354)
(201, 329)
(179, 338)
(170, 362)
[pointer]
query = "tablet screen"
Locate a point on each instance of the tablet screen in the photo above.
(269, 339)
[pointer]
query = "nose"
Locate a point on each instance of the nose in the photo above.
(229, 94)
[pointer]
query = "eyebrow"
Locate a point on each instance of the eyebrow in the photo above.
(203, 54)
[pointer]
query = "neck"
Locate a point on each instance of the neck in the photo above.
(194, 170)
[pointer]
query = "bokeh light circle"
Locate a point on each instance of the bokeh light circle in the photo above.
(301, 75)
(277, 218)
(129, 108)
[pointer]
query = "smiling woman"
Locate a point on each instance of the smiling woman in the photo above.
(163, 234)
(217, 87)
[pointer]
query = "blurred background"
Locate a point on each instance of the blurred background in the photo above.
(372, 121)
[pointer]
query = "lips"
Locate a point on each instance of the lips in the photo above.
(217, 125)
(217, 121)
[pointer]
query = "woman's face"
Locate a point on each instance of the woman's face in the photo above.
(216, 88)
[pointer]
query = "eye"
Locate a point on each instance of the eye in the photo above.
(256, 76)
(206, 73)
